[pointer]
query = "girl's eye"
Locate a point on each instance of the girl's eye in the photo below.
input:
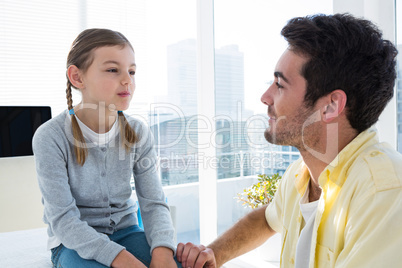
(112, 70)
(132, 72)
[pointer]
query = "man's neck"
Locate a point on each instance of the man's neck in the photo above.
(317, 159)
(315, 168)
(314, 191)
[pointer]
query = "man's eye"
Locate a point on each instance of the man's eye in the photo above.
(132, 73)
(112, 70)
(278, 85)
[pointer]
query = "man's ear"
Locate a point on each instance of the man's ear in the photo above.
(74, 75)
(336, 105)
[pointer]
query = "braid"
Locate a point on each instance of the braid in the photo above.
(69, 95)
(80, 148)
(128, 135)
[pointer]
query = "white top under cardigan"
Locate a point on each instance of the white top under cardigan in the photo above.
(82, 204)
(99, 138)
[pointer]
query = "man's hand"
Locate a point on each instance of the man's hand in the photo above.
(162, 258)
(231, 244)
(126, 259)
(194, 256)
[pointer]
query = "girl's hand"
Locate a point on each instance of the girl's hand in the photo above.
(126, 259)
(162, 258)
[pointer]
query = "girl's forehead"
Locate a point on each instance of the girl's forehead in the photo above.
(113, 53)
(112, 49)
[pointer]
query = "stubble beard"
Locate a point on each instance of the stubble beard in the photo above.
(288, 131)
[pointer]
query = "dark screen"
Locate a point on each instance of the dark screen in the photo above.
(17, 127)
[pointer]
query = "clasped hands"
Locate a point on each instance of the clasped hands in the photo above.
(195, 256)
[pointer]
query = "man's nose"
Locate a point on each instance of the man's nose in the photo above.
(266, 98)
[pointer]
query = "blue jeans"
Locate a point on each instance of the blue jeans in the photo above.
(132, 238)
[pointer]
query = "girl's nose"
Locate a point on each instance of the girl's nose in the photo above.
(127, 79)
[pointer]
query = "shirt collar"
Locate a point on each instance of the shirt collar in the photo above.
(336, 170)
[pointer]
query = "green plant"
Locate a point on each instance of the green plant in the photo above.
(261, 192)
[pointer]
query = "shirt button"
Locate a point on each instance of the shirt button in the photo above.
(374, 154)
(110, 228)
(105, 199)
(103, 173)
(107, 215)
(103, 149)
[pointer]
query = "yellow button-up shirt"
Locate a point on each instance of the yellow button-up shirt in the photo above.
(359, 215)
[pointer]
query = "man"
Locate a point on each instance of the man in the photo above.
(340, 204)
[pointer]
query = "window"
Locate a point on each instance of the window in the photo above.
(247, 46)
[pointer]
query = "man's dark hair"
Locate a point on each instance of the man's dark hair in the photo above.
(345, 53)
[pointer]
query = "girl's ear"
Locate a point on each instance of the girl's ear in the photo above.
(74, 75)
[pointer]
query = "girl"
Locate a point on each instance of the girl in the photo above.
(85, 158)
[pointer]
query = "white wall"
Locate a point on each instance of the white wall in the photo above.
(20, 199)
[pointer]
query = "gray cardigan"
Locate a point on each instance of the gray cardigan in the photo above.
(84, 203)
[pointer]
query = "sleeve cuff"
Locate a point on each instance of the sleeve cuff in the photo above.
(272, 218)
(107, 255)
(165, 245)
